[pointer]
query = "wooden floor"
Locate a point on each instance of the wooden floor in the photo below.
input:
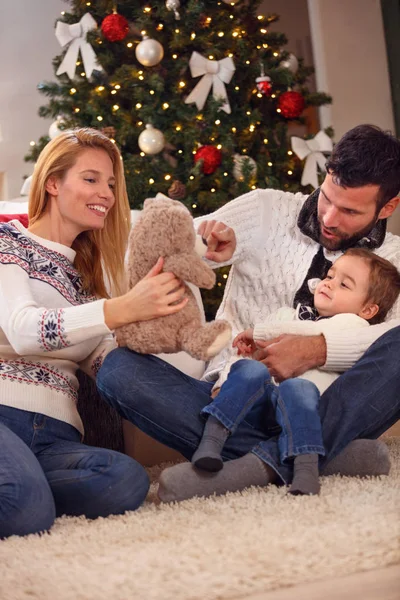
(382, 584)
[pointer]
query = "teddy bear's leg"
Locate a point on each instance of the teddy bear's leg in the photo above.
(206, 341)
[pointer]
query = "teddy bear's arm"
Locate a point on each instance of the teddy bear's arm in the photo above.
(191, 268)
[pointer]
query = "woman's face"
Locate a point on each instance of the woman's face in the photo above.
(85, 195)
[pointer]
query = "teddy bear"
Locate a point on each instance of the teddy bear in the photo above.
(165, 228)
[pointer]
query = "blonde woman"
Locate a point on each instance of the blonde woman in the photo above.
(57, 316)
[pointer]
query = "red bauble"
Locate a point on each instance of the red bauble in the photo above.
(115, 27)
(211, 157)
(291, 104)
(264, 85)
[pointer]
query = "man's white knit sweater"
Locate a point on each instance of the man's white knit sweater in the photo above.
(49, 326)
(270, 263)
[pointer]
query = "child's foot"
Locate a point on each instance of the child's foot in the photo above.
(306, 476)
(208, 454)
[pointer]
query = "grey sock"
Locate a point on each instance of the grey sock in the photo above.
(208, 454)
(184, 481)
(362, 458)
(305, 476)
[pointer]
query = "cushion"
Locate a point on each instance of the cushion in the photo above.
(23, 218)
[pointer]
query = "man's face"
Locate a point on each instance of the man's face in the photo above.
(346, 215)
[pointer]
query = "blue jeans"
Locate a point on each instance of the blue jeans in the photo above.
(166, 404)
(45, 471)
(295, 403)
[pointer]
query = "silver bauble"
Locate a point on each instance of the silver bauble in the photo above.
(173, 5)
(291, 63)
(151, 140)
(54, 129)
(238, 163)
(149, 52)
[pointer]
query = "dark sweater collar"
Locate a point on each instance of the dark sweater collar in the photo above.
(308, 224)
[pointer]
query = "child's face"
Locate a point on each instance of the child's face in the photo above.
(345, 289)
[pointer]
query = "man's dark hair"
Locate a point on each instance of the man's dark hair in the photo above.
(367, 155)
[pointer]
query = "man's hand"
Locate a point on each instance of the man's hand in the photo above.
(220, 240)
(291, 355)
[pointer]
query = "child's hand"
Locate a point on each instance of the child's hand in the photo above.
(244, 343)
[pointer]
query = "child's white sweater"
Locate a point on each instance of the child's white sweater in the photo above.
(49, 326)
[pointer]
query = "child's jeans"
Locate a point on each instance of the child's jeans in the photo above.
(249, 390)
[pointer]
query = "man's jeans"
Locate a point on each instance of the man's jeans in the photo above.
(45, 471)
(250, 391)
(166, 404)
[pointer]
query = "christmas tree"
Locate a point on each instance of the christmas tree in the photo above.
(198, 95)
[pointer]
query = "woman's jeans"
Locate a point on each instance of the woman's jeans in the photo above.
(295, 404)
(45, 471)
(166, 404)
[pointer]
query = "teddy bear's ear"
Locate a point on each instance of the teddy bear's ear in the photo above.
(160, 196)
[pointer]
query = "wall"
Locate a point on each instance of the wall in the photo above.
(351, 64)
(27, 47)
(350, 57)
(294, 23)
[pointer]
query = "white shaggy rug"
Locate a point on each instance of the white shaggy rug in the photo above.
(219, 548)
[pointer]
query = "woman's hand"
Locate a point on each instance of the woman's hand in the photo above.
(156, 295)
(244, 343)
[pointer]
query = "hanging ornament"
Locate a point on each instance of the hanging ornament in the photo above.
(246, 162)
(57, 127)
(149, 52)
(109, 131)
(74, 36)
(204, 21)
(264, 83)
(215, 73)
(312, 150)
(291, 63)
(151, 140)
(230, 1)
(177, 190)
(291, 104)
(173, 5)
(115, 27)
(211, 157)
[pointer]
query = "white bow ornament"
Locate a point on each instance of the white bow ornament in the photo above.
(75, 35)
(312, 150)
(216, 74)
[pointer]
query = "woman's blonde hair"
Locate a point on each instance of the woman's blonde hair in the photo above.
(99, 254)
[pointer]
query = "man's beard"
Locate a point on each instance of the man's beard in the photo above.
(344, 241)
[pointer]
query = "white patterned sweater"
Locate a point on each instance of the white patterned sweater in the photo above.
(49, 326)
(270, 263)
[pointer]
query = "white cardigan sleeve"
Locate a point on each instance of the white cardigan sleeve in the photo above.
(273, 328)
(32, 329)
(346, 346)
